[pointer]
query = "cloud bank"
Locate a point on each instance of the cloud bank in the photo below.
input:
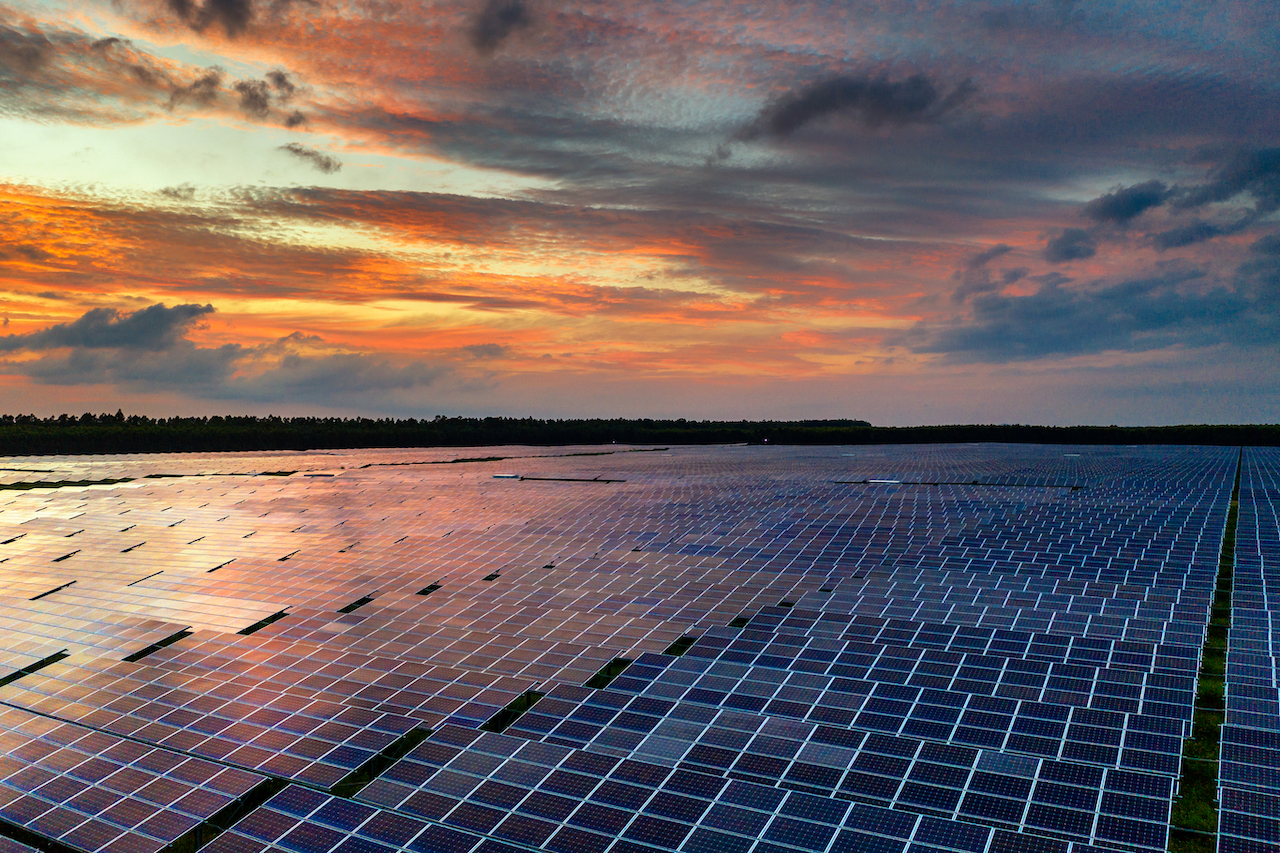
(149, 349)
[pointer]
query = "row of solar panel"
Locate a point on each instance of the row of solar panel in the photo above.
(1045, 619)
(547, 788)
(1249, 766)
(1130, 690)
(951, 636)
(789, 754)
(1092, 735)
(430, 693)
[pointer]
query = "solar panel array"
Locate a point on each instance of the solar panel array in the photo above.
(960, 648)
(93, 791)
(1249, 813)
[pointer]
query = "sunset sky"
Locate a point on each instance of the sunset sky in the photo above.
(909, 212)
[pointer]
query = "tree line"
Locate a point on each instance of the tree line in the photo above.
(25, 435)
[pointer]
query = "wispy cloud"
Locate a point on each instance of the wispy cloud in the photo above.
(496, 21)
(1122, 205)
(318, 160)
(871, 101)
(1073, 244)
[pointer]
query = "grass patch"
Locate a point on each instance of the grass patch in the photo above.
(1204, 744)
(1196, 810)
(1181, 841)
(503, 720)
(35, 667)
(157, 646)
(356, 605)
(1193, 822)
(1213, 663)
(1210, 694)
(262, 623)
(607, 674)
(52, 591)
(680, 646)
(353, 782)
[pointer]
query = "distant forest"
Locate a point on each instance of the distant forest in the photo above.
(25, 435)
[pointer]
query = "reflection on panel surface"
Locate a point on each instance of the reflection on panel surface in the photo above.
(992, 649)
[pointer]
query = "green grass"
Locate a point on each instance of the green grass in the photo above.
(1197, 804)
(1195, 811)
(503, 720)
(1186, 842)
(1209, 695)
(607, 674)
(1203, 744)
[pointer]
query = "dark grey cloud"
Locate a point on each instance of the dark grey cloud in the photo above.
(140, 66)
(258, 99)
(53, 72)
(25, 252)
(185, 368)
(335, 380)
(1256, 173)
(154, 328)
(874, 101)
(1269, 245)
(1123, 204)
(23, 51)
(1073, 244)
(1260, 275)
(984, 257)
(495, 22)
(1173, 307)
(285, 88)
(976, 278)
(232, 15)
(148, 351)
(254, 97)
(204, 90)
(1196, 232)
(68, 74)
(318, 160)
(485, 350)
(182, 192)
